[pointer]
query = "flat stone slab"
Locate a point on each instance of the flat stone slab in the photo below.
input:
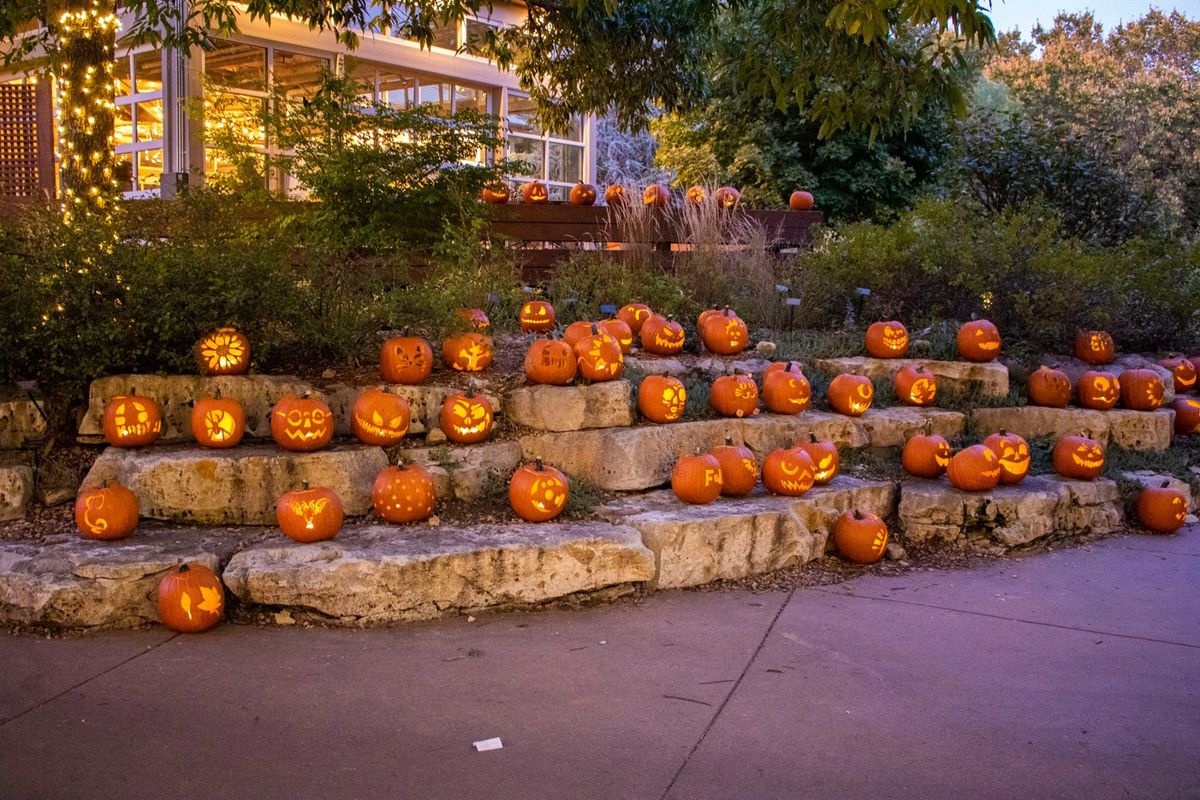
(682, 366)
(238, 486)
(378, 573)
(892, 427)
(571, 408)
(1132, 430)
(933, 510)
(467, 472)
(735, 537)
(20, 422)
(16, 490)
(990, 379)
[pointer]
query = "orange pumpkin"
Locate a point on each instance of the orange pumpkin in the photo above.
(1098, 390)
(106, 512)
(656, 195)
(1013, 452)
(634, 315)
(466, 418)
(599, 357)
(496, 192)
(536, 316)
(576, 332)
(925, 455)
(734, 396)
(974, 469)
(696, 195)
(788, 471)
(403, 493)
(468, 352)
(661, 398)
(302, 424)
(978, 341)
(582, 194)
(739, 470)
(1078, 457)
(1049, 387)
(218, 422)
(1161, 508)
(619, 331)
(190, 599)
(1182, 371)
(538, 493)
(1141, 389)
(534, 193)
(225, 351)
(784, 366)
(824, 456)
(851, 394)
(724, 333)
(727, 197)
(887, 339)
(860, 537)
(697, 479)
(786, 391)
(310, 515)
(550, 361)
(406, 359)
(1094, 347)
(662, 336)
(379, 418)
(132, 421)
(800, 201)
(615, 195)
(1187, 415)
(475, 317)
(915, 385)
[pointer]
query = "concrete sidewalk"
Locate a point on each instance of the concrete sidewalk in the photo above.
(1074, 674)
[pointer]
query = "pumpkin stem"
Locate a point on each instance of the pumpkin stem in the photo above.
(182, 567)
(303, 484)
(1166, 484)
(595, 329)
(537, 464)
(857, 514)
(812, 438)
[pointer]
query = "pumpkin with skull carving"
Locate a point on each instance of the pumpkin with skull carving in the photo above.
(788, 471)
(379, 418)
(132, 421)
(218, 422)
(1078, 457)
(1161, 508)
(302, 424)
(662, 336)
(887, 339)
(537, 492)
(1098, 390)
(850, 394)
(1013, 452)
(978, 340)
(661, 398)
(466, 418)
(724, 333)
(974, 469)
(403, 493)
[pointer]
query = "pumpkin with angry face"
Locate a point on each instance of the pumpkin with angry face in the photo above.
(860, 537)
(788, 471)
(974, 469)
(379, 418)
(106, 512)
(915, 385)
(739, 470)
(1094, 347)
(218, 422)
(310, 515)
(1078, 457)
(538, 493)
(536, 316)
(1049, 387)
(697, 479)
(1183, 372)
(850, 394)
(225, 351)
(1141, 389)
(1161, 508)
(786, 391)
(1187, 415)
(734, 396)
(132, 421)
(405, 359)
(978, 340)
(1098, 390)
(302, 424)
(662, 336)
(551, 362)
(661, 398)
(466, 418)
(887, 340)
(825, 458)
(470, 352)
(1013, 452)
(403, 493)
(925, 455)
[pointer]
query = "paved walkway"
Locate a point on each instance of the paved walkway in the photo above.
(1074, 674)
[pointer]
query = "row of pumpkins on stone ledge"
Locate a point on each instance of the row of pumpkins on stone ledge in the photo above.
(1135, 389)
(655, 195)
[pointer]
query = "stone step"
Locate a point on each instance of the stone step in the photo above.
(707, 365)
(1133, 430)
(990, 379)
(571, 408)
(467, 472)
(933, 510)
(632, 459)
(735, 537)
(21, 424)
(238, 486)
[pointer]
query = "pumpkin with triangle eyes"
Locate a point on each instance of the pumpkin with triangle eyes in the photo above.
(132, 421)
(634, 315)
(925, 455)
(190, 599)
(537, 492)
(582, 194)
(405, 359)
(974, 469)
(860, 537)
(466, 418)
(310, 515)
(551, 362)
(661, 398)
(1161, 508)
(825, 458)
(788, 471)
(724, 332)
(850, 394)
(1183, 373)
(734, 396)
(1187, 415)
(379, 418)
(1049, 387)
(106, 512)
(915, 385)
(1013, 452)
(535, 193)
(536, 316)
(978, 340)
(1094, 347)
(739, 470)
(887, 339)
(302, 424)
(403, 493)
(218, 422)
(1098, 390)
(1078, 457)
(662, 336)
(469, 352)
(1141, 389)
(656, 195)
(786, 391)
(225, 351)
(697, 478)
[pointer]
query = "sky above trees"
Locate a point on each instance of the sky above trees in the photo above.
(1024, 14)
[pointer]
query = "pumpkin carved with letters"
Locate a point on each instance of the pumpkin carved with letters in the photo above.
(739, 470)
(106, 512)
(190, 599)
(697, 479)
(1094, 347)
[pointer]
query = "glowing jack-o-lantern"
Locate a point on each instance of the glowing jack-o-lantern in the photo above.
(739, 470)
(1094, 347)
(662, 336)
(379, 418)
(218, 422)
(724, 333)
(599, 356)
(1098, 390)
(696, 195)
(697, 478)
(1183, 372)
(978, 340)
(132, 421)
(109, 511)
(302, 424)
(887, 340)
(403, 493)
(786, 391)
(310, 515)
(1078, 457)
(225, 351)
(619, 331)
(615, 195)
(551, 362)
(925, 455)
(534, 193)
(536, 316)
(190, 599)
(538, 493)
(405, 359)
(825, 458)
(788, 471)
(496, 192)
(582, 194)
(661, 398)
(1187, 415)
(1013, 452)
(734, 396)
(1141, 389)
(727, 197)
(974, 469)
(1161, 508)
(800, 201)
(851, 394)
(470, 352)
(576, 332)
(1049, 387)
(634, 315)
(466, 418)
(915, 385)
(656, 195)
(860, 537)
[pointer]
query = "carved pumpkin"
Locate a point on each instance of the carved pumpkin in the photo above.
(576, 332)
(697, 479)
(469, 352)
(466, 418)
(1098, 390)
(1141, 389)
(1078, 457)
(310, 515)
(739, 470)
(925, 455)
(724, 333)
(1094, 347)
(661, 398)
(225, 351)
(861, 537)
(1013, 452)
(974, 469)
(662, 336)
(551, 362)
(727, 197)
(405, 359)
(475, 317)
(887, 340)
(784, 366)
(734, 396)
(379, 418)
(788, 471)
(132, 421)
(302, 424)
(615, 195)
(800, 201)
(538, 493)
(786, 391)
(218, 422)
(582, 194)
(496, 192)
(1187, 415)
(1182, 371)
(634, 315)
(915, 385)
(850, 394)
(825, 458)
(1161, 508)
(536, 316)
(403, 493)
(190, 599)
(696, 195)
(599, 357)
(1049, 387)
(106, 512)
(534, 193)
(619, 331)
(978, 341)
(656, 195)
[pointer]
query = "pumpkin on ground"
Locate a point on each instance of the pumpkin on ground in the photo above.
(634, 315)
(786, 391)
(1161, 508)
(697, 478)
(724, 333)
(190, 599)
(800, 201)
(925, 455)
(1049, 387)
(915, 385)
(850, 394)
(784, 366)
(403, 493)
(1183, 373)
(1187, 415)
(1013, 452)
(466, 418)
(788, 471)
(468, 352)
(218, 422)
(582, 194)
(978, 340)
(662, 336)
(301, 424)
(534, 193)
(405, 359)
(225, 351)
(1094, 347)
(551, 362)
(1141, 389)
(860, 537)
(132, 421)
(974, 469)
(739, 470)
(536, 316)
(106, 512)
(734, 396)
(599, 356)
(887, 340)
(1078, 457)
(1098, 390)
(661, 398)
(310, 514)
(538, 493)
(379, 418)
(825, 458)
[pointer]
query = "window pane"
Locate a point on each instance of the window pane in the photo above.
(531, 151)
(400, 91)
(477, 32)
(468, 97)
(557, 194)
(298, 75)
(574, 132)
(237, 66)
(520, 111)
(147, 71)
(566, 163)
(238, 115)
(437, 94)
(121, 76)
(123, 124)
(446, 36)
(149, 120)
(149, 169)
(363, 75)
(123, 172)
